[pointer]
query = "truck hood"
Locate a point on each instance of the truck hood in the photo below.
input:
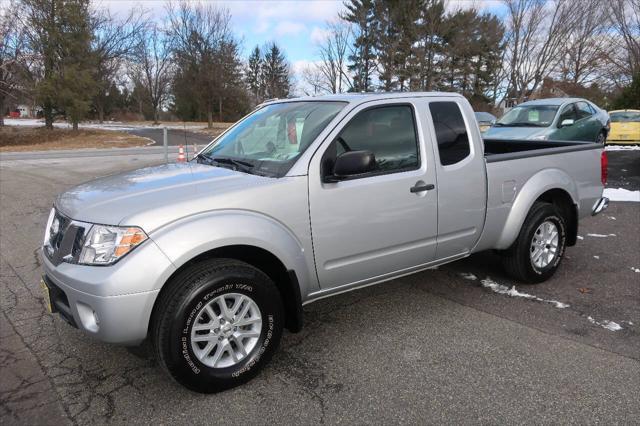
(514, 132)
(153, 196)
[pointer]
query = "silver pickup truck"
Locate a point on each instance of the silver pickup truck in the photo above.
(301, 200)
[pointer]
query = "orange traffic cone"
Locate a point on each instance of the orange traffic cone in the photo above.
(181, 157)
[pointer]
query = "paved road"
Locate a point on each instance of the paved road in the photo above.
(175, 137)
(434, 347)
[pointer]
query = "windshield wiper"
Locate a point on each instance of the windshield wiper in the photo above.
(233, 161)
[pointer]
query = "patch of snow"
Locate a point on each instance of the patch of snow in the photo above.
(622, 148)
(609, 325)
(596, 257)
(611, 217)
(621, 194)
(512, 292)
(580, 237)
(635, 269)
(107, 125)
(468, 276)
(601, 235)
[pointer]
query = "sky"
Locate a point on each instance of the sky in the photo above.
(296, 25)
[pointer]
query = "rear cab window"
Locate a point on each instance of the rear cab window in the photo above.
(451, 132)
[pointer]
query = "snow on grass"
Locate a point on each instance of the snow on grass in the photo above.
(621, 194)
(609, 325)
(635, 269)
(596, 257)
(513, 292)
(107, 125)
(601, 235)
(622, 148)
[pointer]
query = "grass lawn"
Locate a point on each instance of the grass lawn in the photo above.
(41, 139)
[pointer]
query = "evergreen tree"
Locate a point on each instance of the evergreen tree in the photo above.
(275, 71)
(361, 14)
(59, 32)
(253, 74)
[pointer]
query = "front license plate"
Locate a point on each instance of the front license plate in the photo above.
(47, 296)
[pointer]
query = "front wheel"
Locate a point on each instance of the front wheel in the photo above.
(535, 256)
(217, 324)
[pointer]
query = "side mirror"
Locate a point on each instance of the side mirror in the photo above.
(352, 163)
(567, 122)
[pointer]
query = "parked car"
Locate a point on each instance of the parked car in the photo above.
(485, 120)
(301, 200)
(625, 126)
(561, 119)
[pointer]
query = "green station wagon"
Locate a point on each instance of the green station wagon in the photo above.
(572, 119)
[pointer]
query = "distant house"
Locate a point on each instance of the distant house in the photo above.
(28, 111)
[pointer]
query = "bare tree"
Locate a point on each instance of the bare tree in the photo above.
(584, 50)
(151, 67)
(203, 45)
(537, 30)
(314, 80)
(334, 52)
(625, 20)
(113, 41)
(13, 70)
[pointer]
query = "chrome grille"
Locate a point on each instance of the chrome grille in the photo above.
(63, 239)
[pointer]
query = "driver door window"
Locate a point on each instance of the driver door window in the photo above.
(389, 132)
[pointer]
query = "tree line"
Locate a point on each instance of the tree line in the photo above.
(77, 61)
(587, 48)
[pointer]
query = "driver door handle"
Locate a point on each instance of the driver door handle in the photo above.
(422, 187)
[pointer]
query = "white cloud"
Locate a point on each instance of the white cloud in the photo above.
(289, 28)
(319, 35)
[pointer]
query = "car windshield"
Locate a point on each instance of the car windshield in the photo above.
(625, 117)
(484, 117)
(269, 141)
(529, 116)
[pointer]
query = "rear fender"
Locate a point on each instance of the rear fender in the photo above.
(532, 189)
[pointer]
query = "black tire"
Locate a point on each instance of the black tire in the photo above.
(177, 309)
(517, 259)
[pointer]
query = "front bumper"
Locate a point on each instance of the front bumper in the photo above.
(114, 303)
(600, 206)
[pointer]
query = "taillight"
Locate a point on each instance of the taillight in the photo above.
(604, 162)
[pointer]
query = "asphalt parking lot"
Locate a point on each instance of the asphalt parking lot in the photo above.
(436, 347)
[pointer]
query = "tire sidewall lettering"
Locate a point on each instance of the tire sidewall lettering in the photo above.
(184, 337)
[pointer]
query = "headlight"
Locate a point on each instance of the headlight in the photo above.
(104, 245)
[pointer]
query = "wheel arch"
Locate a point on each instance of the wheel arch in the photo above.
(253, 238)
(553, 186)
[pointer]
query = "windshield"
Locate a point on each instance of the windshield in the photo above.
(484, 116)
(529, 116)
(269, 141)
(625, 116)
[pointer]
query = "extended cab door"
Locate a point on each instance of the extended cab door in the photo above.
(461, 174)
(373, 225)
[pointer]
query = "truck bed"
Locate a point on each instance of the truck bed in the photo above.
(512, 169)
(512, 149)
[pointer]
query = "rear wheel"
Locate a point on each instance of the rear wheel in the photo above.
(535, 256)
(217, 324)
